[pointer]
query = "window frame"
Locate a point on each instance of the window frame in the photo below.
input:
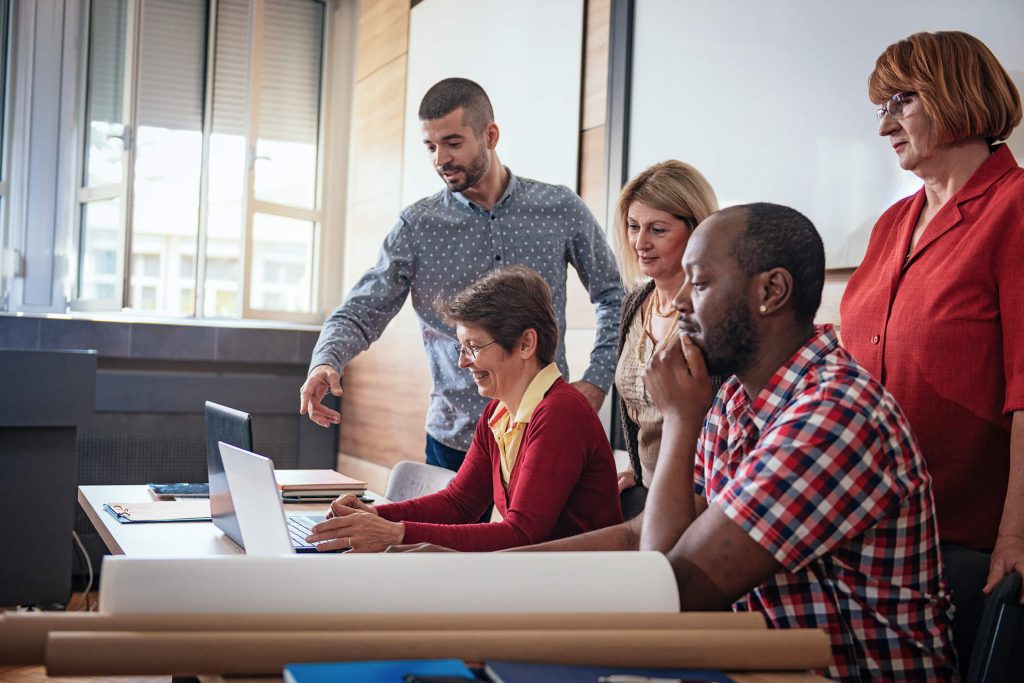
(8, 257)
(251, 206)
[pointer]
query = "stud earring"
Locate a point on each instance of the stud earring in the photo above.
(764, 309)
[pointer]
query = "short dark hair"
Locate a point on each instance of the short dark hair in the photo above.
(507, 302)
(781, 237)
(446, 96)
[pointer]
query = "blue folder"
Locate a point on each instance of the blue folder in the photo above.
(520, 672)
(389, 671)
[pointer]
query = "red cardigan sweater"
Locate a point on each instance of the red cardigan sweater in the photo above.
(563, 483)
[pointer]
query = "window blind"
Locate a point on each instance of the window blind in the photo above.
(172, 57)
(290, 67)
(231, 67)
(106, 60)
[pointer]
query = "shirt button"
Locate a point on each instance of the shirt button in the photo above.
(875, 339)
(494, 218)
(497, 257)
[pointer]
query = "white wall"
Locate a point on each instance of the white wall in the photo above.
(527, 55)
(769, 100)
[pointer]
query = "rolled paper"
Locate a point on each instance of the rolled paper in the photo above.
(574, 583)
(230, 652)
(23, 634)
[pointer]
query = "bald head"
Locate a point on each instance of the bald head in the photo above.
(765, 236)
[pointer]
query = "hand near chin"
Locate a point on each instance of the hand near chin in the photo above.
(678, 381)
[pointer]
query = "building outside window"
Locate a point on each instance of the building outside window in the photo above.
(201, 172)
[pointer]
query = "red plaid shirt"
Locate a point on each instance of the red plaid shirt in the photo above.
(822, 470)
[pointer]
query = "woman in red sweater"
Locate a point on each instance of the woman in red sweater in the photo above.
(936, 309)
(540, 454)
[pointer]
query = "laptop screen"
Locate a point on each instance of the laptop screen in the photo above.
(232, 427)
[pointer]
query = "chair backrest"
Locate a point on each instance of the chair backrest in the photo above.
(998, 654)
(633, 501)
(414, 479)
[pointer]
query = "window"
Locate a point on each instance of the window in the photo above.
(200, 185)
(5, 30)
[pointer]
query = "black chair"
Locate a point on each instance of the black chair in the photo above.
(632, 501)
(966, 573)
(998, 655)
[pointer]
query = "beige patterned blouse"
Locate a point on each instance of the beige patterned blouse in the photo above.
(630, 385)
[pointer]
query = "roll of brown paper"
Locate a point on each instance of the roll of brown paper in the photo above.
(183, 654)
(23, 635)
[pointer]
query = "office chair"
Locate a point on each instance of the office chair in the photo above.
(414, 479)
(998, 655)
(632, 501)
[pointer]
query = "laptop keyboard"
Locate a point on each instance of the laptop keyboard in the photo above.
(300, 526)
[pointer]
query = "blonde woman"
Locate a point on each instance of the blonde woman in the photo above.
(656, 213)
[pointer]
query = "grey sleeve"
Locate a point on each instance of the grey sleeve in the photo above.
(372, 303)
(594, 262)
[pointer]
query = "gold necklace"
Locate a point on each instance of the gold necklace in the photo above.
(657, 311)
(648, 327)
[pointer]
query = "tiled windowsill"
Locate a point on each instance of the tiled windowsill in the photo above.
(135, 337)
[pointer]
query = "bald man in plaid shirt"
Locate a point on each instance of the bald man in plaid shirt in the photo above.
(813, 505)
(811, 502)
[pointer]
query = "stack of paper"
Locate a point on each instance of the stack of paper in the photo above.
(315, 486)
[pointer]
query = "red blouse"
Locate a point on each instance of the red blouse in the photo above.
(563, 483)
(944, 331)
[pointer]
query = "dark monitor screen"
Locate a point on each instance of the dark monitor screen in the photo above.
(232, 427)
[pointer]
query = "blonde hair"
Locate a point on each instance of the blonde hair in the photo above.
(670, 186)
(964, 89)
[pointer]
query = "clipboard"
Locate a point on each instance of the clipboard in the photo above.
(191, 510)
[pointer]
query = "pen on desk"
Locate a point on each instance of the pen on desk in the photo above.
(632, 678)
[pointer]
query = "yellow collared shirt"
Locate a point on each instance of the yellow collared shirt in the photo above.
(508, 433)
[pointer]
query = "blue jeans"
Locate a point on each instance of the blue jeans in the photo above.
(442, 456)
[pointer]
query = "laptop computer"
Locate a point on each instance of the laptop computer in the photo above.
(265, 528)
(234, 427)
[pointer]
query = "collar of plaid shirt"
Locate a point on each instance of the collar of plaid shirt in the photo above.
(778, 392)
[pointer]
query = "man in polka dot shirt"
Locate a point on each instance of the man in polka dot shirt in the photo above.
(485, 218)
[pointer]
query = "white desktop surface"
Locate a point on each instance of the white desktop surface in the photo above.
(162, 539)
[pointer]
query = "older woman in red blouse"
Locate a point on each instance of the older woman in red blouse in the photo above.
(539, 455)
(936, 310)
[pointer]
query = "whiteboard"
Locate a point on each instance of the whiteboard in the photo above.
(527, 55)
(769, 100)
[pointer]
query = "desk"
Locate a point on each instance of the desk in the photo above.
(191, 539)
(163, 539)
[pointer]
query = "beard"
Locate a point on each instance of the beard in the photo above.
(471, 174)
(730, 348)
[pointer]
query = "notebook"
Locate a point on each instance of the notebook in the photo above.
(160, 511)
(265, 528)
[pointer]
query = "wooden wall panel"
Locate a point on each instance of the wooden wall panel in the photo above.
(593, 172)
(385, 402)
(383, 34)
(595, 65)
(377, 130)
